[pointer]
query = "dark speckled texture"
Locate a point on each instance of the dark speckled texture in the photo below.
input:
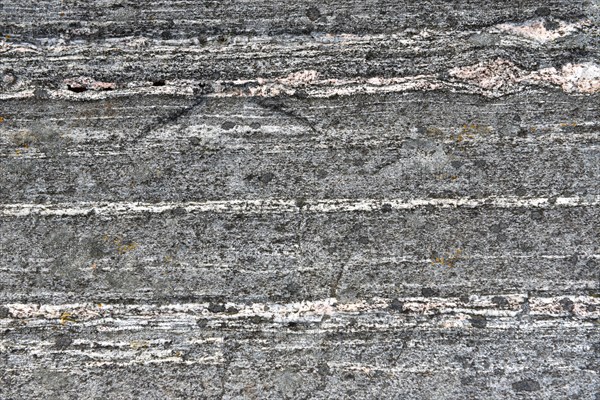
(299, 200)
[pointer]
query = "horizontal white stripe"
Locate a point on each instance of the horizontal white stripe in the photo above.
(489, 78)
(122, 314)
(259, 206)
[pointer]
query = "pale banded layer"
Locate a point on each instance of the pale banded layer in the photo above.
(144, 334)
(259, 206)
(491, 78)
(506, 305)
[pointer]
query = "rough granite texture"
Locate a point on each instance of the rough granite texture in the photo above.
(362, 199)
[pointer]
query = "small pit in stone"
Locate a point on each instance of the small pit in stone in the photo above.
(76, 89)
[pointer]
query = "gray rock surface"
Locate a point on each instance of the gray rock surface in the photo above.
(299, 200)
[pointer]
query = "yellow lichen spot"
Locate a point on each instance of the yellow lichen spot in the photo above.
(17, 152)
(444, 176)
(1, 119)
(100, 305)
(448, 261)
(122, 247)
(432, 130)
(438, 260)
(566, 124)
(475, 129)
(139, 344)
(66, 317)
(125, 248)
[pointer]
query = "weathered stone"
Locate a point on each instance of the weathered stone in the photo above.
(374, 199)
